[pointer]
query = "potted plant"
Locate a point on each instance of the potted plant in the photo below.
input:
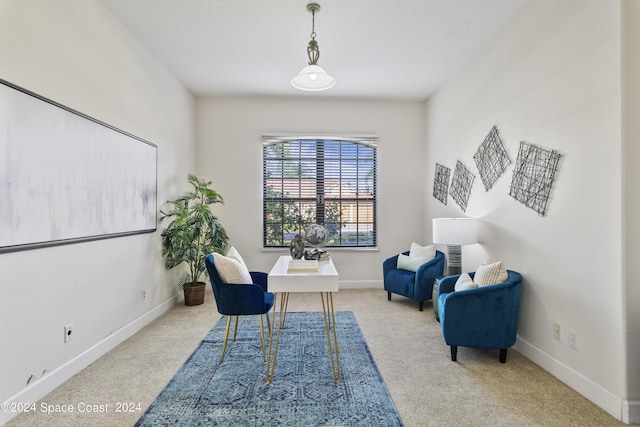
(191, 233)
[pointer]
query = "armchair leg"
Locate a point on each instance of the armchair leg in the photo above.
(268, 322)
(235, 329)
(420, 305)
(226, 335)
(503, 355)
(264, 354)
(454, 353)
(388, 296)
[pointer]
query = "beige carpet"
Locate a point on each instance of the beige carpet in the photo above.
(427, 387)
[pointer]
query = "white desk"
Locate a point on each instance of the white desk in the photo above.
(281, 283)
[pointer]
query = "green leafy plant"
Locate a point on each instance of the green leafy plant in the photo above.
(192, 231)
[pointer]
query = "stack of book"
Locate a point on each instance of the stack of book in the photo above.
(302, 266)
(324, 256)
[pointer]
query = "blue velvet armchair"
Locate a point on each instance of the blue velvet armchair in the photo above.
(484, 317)
(240, 299)
(416, 285)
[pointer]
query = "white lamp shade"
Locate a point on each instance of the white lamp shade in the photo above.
(455, 231)
(313, 78)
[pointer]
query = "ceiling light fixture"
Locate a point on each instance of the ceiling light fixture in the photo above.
(313, 77)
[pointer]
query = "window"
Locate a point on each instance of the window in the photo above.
(327, 181)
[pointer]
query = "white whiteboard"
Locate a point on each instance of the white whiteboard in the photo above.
(66, 177)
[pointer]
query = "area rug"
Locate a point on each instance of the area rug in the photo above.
(205, 392)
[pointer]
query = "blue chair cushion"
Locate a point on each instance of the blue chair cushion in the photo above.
(268, 301)
(401, 282)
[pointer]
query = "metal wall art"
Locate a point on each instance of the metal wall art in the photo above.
(461, 185)
(491, 158)
(441, 183)
(533, 176)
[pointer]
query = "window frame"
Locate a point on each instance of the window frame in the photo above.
(363, 234)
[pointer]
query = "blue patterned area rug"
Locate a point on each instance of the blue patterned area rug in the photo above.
(205, 392)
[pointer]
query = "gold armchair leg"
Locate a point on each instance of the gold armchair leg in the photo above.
(264, 353)
(268, 322)
(235, 329)
(226, 335)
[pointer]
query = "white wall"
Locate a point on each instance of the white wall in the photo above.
(551, 77)
(230, 155)
(76, 53)
(631, 197)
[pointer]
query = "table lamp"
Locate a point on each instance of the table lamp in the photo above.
(454, 232)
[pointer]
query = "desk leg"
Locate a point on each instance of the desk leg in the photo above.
(330, 326)
(273, 348)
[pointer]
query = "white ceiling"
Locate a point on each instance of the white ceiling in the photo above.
(380, 49)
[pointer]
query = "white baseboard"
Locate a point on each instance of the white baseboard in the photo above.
(600, 396)
(361, 284)
(631, 411)
(47, 383)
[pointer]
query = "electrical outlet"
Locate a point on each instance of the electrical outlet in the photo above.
(144, 294)
(573, 340)
(556, 332)
(68, 332)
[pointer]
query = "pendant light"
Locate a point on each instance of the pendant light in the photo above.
(313, 77)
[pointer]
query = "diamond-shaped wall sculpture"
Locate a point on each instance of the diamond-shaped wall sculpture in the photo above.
(491, 158)
(533, 176)
(441, 183)
(461, 185)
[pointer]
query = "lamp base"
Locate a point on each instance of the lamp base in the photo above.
(453, 270)
(454, 259)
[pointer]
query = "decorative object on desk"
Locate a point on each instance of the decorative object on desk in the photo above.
(441, 183)
(454, 232)
(302, 266)
(461, 185)
(235, 392)
(491, 158)
(316, 235)
(192, 232)
(317, 254)
(533, 176)
(296, 247)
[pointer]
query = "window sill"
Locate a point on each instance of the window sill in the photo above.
(336, 249)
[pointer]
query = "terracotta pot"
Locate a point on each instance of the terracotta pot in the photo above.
(194, 295)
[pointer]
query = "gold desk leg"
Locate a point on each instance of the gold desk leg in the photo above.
(330, 327)
(273, 349)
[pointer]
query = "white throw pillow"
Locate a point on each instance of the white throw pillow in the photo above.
(410, 263)
(233, 253)
(490, 274)
(464, 282)
(417, 251)
(231, 270)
